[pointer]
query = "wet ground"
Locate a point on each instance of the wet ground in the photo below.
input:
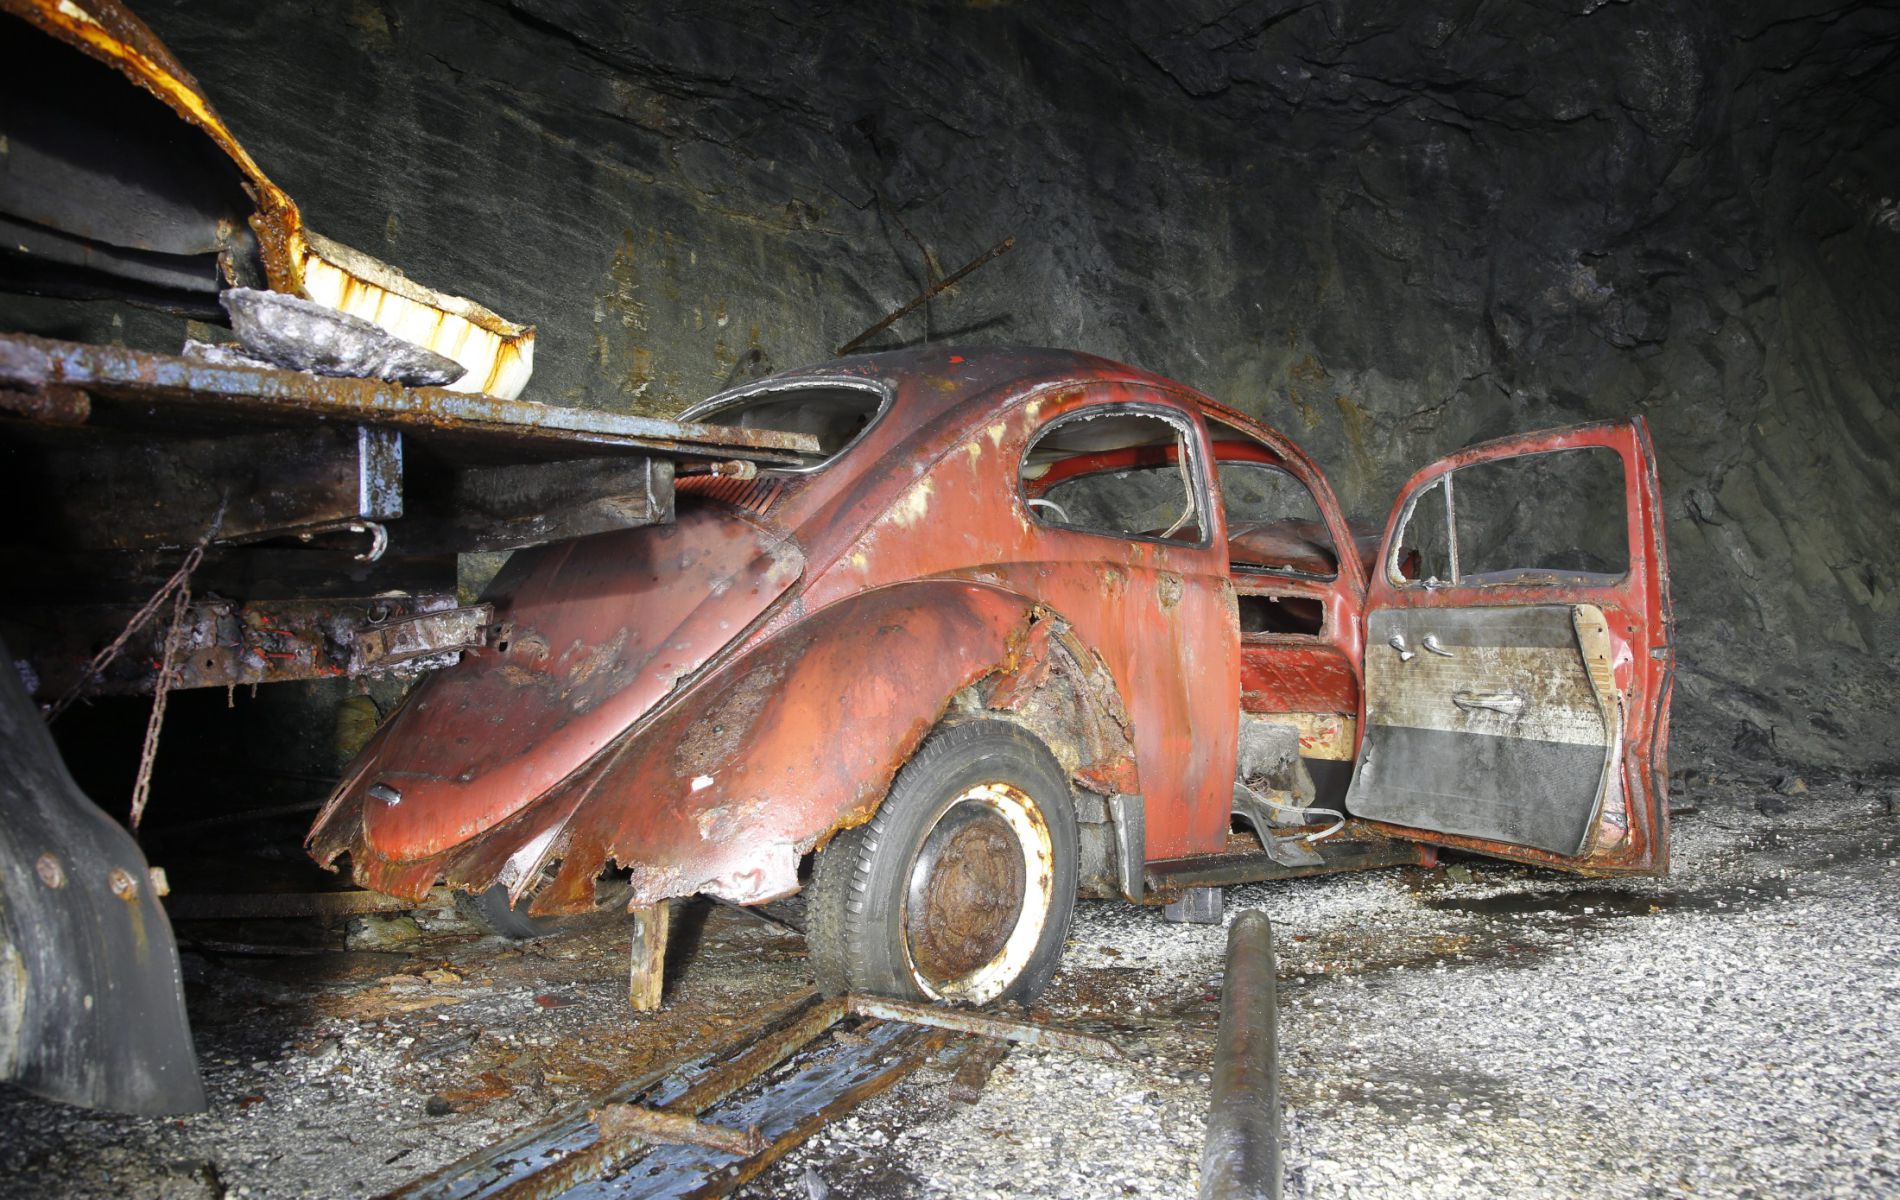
(1478, 1029)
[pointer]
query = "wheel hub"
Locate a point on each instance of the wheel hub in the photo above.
(968, 890)
(978, 893)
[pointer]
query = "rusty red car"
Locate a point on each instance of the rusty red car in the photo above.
(1035, 625)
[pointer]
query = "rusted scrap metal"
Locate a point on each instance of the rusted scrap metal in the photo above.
(221, 643)
(398, 640)
(930, 293)
(52, 405)
(1003, 1029)
(498, 353)
(631, 1122)
(707, 1127)
(1240, 1160)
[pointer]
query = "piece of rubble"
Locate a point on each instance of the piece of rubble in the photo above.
(301, 335)
(223, 354)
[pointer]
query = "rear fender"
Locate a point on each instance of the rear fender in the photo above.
(796, 738)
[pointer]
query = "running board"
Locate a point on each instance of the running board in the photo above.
(1165, 877)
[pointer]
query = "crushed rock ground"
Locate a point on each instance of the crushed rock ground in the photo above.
(1475, 1029)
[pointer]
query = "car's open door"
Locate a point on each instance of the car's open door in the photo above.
(1518, 658)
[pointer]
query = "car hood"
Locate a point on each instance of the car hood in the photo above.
(590, 636)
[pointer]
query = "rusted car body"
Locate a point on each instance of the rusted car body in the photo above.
(704, 704)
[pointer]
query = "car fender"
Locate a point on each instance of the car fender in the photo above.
(797, 737)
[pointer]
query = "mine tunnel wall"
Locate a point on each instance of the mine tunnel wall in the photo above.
(1390, 229)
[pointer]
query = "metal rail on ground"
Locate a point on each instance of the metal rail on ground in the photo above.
(705, 1126)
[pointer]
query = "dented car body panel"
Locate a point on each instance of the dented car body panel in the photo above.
(705, 705)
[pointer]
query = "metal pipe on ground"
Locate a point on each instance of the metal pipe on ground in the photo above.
(1240, 1160)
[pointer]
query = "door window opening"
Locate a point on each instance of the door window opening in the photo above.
(1551, 517)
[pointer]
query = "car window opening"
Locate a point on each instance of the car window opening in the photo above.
(1274, 523)
(1281, 614)
(1554, 517)
(836, 414)
(1118, 473)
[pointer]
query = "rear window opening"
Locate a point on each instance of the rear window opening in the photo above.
(837, 414)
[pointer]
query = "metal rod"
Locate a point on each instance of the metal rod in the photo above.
(936, 289)
(1240, 1160)
(957, 1020)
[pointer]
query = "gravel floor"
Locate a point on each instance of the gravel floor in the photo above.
(1482, 1030)
(1489, 1031)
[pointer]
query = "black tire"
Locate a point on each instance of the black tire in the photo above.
(491, 909)
(976, 836)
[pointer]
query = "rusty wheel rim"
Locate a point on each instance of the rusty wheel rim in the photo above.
(978, 894)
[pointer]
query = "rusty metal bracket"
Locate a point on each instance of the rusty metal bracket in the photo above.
(382, 645)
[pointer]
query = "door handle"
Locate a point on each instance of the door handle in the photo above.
(1508, 703)
(1431, 644)
(1397, 642)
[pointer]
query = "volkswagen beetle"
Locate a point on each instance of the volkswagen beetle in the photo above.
(1035, 625)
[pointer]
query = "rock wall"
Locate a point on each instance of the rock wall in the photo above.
(1391, 228)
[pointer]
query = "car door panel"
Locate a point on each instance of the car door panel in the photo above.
(1498, 734)
(1522, 711)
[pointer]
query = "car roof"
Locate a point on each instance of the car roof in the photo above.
(930, 381)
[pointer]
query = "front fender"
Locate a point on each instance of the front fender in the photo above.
(793, 740)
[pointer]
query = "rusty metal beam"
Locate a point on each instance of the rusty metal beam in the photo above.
(161, 385)
(51, 405)
(225, 644)
(1240, 1160)
(1166, 877)
(1005, 1029)
(528, 504)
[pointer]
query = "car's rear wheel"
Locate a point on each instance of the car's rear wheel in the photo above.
(962, 886)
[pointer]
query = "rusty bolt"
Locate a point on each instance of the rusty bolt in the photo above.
(51, 873)
(123, 885)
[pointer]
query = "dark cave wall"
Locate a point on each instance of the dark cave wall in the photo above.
(1390, 228)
